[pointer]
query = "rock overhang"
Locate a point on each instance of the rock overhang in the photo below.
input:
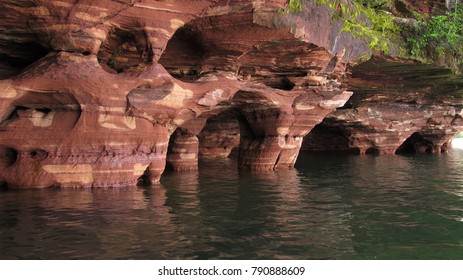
(105, 94)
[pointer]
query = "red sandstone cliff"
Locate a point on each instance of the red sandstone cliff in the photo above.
(397, 107)
(93, 92)
(105, 93)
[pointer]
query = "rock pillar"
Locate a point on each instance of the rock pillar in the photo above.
(184, 146)
(267, 153)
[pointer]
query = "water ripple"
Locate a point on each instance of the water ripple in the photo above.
(329, 207)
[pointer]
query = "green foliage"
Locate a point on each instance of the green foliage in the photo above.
(295, 6)
(439, 39)
(375, 4)
(419, 17)
(362, 20)
(435, 39)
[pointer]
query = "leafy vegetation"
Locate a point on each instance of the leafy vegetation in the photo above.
(435, 39)
(375, 4)
(439, 39)
(363, 19)
(295, 6)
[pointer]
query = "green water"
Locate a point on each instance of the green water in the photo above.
(329, 207)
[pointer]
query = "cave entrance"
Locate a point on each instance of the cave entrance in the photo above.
(282, 83)
(220, 137)
(124, 49)
(42, 107)
(331, 136)
(408, 147)
(326, 138)
(8, 157)
(204, 138)
(183, 54)
(251, 127)
(425, 142)
(18, 58)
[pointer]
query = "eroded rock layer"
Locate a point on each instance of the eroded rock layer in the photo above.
(104, 93)
(107, 93)
(398, 107)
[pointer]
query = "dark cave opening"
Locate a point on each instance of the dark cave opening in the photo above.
(24, 54)
(8, 157)
(416, 143)
(183, 54)
(122, 50)
(19, 57)
(282, 83)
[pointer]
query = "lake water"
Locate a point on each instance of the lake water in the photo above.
(328, 207)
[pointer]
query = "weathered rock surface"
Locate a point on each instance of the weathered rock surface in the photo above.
(407, 7)
(105, 93)
(397, 107)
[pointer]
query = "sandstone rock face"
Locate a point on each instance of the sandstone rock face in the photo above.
(398, 107)
(425, 7)
(104, 93)
(220, 135)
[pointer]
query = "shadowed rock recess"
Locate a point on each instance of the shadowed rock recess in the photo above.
(398, 107)
(107, 93)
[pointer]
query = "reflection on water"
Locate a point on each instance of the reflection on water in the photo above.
(329, 207)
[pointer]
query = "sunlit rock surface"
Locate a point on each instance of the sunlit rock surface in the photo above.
(104, 93)
(109, 93)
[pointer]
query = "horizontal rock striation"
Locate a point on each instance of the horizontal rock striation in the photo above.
(398, 107)
(109, 93)
(105, 93)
